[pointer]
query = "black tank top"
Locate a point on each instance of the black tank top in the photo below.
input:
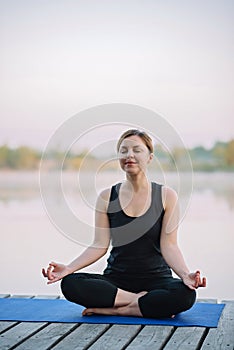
(136, 240)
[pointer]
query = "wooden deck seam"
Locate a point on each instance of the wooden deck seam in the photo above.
(167, 339)
(98, 336)
(203, 338)
(10, 326)
(28, 336)
(135, 335)
(63, 336)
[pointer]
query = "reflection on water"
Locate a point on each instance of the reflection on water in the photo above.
(23, 186)
(29, 240)
(220, 184)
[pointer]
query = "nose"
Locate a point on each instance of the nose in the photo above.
(130, 153)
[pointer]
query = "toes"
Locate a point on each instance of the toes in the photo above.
(87, 312)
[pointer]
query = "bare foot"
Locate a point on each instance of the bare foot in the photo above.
(100, 311)
(131, 309)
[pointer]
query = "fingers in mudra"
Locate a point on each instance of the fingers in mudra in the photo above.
(198, 281)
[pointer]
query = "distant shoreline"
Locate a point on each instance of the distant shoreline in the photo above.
(218, 158)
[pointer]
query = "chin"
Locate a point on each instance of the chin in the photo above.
(131, 171)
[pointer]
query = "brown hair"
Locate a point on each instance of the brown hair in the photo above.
(145, 138)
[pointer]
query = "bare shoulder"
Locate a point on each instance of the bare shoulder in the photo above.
(105, 194)
(169, 197)
(103, 199)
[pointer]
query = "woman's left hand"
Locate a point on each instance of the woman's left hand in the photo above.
(193, 280)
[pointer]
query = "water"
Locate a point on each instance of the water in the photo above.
(29, 240)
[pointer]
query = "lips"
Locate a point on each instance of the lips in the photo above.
(130, 163)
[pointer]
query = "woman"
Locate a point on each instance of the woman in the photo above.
(140, 219)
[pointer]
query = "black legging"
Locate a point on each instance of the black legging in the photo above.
(166, 296)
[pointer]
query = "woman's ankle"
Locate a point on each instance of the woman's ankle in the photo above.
(123, 298)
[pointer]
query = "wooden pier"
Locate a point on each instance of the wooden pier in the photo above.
(71, 336)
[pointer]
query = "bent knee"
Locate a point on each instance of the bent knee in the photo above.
(67, 284)
(157, 304)
(192, 297)
(187, 299)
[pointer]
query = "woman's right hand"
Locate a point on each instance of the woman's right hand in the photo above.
(55, 272)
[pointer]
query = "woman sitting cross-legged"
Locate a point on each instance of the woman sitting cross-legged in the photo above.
(140, 219)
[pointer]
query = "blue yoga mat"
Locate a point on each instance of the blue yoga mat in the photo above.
(60, 310)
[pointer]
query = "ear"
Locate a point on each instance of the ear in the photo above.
(151, 156)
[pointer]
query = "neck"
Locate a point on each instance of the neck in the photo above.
(137, 182)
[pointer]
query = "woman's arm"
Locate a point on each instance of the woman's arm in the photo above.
(94, 252)
(169, 247)
(101, 241)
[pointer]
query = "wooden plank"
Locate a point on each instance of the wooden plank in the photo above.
(156, 337)
(22, 296)
(5, 325)
(222, 338)
(117, 337)
(151, 337)
(82, 337)
(186, 338)
(210, 301)
(19, 333)
(47, 337)
(46, 297)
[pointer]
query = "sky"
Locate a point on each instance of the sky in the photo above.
(60, 57)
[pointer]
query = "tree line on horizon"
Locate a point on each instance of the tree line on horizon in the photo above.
(218, 157)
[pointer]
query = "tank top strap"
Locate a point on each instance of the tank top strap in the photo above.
(114, 191)
(157, 203)
(114, 205)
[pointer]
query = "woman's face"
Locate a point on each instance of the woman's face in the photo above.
(134, 156)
